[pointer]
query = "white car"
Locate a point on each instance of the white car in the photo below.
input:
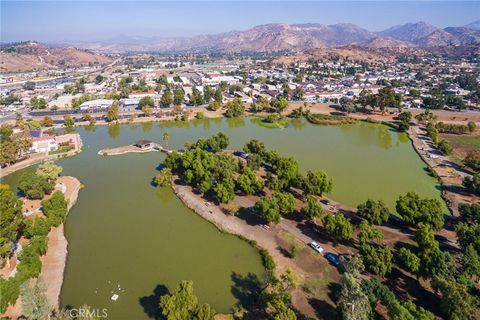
(315, 246)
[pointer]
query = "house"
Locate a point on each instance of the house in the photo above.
(44, 144)
(97, 103)
(144, 144)
(129, 104)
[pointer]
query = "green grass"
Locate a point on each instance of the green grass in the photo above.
(472, 141)
(290, 238)
(317, 287)
(280, 124)
(61, 150)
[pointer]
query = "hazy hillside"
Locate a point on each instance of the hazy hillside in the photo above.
(35, 56)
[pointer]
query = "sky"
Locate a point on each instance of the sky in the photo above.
(56, 21)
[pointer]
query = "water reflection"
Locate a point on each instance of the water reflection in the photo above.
(114, 130)
(236, 122)
(147, 126)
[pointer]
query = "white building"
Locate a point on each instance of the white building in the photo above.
(44, 144)
(98, 103)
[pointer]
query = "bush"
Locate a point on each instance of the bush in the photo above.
(267, 260)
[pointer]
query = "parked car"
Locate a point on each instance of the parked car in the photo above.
(333, 259)
(315, 246)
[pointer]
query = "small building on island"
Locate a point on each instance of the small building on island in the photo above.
(144, 144)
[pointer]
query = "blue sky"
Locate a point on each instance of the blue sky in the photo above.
(100, 20)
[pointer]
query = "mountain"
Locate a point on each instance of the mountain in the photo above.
(465, 35)
(27, 56)
(387, 42)
(474, 25)
(267, 38)
(409, 32)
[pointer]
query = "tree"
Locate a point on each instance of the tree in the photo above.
(338, 226)
(164, 178)
(165, 138)
(427, 245)
(146, 101)
(166, 99)
(34, 300)
(316, 183)
(468, 233)
(375, 212)
(69, 123)
(99, 79)
(113, 112)
(471, 126)
(369, 233)
(472, 160)
(29, 86)
(405, 118)
(38, 103)
(214, 106)
(183, 304)
(179, 97)
(55, 208)
(472, 184)
(10, 221)
(409, 260)
(224, 190)
(353, 303)
(471, 261)
(49, 170)
(278, 105)
(386, 97)
(377, 259)
(235, 108)
(47, 122)
(444, 147)
(147, 110)
(415, 210)
(271, 208)
(456, 303)
(34, 186)
(255, 147)
(470, 212)
(248, 182)
(312, 209)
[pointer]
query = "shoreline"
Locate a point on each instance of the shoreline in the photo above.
(54, 260)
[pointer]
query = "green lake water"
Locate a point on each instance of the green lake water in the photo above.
(122, 231)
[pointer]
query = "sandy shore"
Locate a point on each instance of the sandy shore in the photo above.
(54, 260)
(124, 150)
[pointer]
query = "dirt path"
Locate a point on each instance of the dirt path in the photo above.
(450, 173)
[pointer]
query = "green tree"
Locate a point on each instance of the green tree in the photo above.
(235, 108)
(69, 123)
(312, 209)
(35, 304)
(444, 147)
(55, 208)
(113, 112)
(183, 304)
(34, 186)
(353, 302)
(471, 261)
(377, 259)
(179, 97)
(248, 183)
(338, 226)
(166, 99)
(470, 212)
(472, 184)
(457, 303)
(10, 221)
(375, 212)
(472, 160)
(146, 101)
(49, 170)
(165, 138)
(409, 260)
(214, 106)
(316, 183)
(164, 178)
(415, 210)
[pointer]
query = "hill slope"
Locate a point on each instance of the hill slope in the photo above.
(35, 56)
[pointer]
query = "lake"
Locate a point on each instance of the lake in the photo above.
(124, 233)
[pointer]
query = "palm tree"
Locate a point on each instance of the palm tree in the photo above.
(166, 136)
